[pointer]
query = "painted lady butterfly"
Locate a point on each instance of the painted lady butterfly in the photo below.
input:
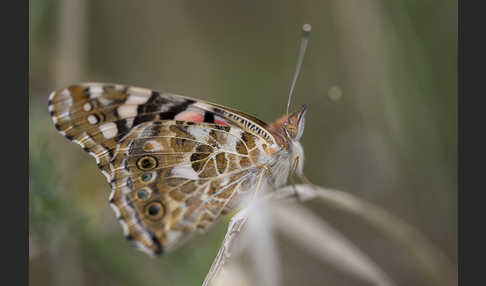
(174, 163)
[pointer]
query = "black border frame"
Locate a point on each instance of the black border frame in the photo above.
(14, 210)
(471, 63)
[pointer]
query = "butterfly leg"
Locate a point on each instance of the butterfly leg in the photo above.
(301, 176)
(293, 171)
(259, 182)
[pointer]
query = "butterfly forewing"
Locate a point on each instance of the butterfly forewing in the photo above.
(175, 164)
(97, 116)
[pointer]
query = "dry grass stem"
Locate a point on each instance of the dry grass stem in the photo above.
(309, 231)
(234, 227)
(259, 238)
(433, 262)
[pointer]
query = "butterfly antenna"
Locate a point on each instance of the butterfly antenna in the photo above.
(303, 44)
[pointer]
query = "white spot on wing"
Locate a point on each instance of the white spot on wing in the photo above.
(143, 248)
(198, 132)
(92, 119)
(184, 172)
(124, 227)
(51, 96)
(116, 210)
(125, 111)
(108, 177)
(79, 143)
(112, 194)
(137, 98)
(104, 101)
(96, 89)
(87, 106)
(109, 130)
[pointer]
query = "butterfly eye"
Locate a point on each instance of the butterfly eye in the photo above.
(285, 126)
(143, 194)
(147, 163)
(154, 210)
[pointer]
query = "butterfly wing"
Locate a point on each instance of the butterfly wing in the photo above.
(175, 164)
(172, 177)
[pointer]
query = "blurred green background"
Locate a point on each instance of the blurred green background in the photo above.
(379, 78)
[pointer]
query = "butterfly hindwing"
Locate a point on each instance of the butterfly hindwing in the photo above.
(173, 177)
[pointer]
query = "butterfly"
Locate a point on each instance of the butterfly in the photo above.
(175, 164)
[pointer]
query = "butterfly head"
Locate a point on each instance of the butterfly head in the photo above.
(291, 126)
(288, 130)
(294, 125)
